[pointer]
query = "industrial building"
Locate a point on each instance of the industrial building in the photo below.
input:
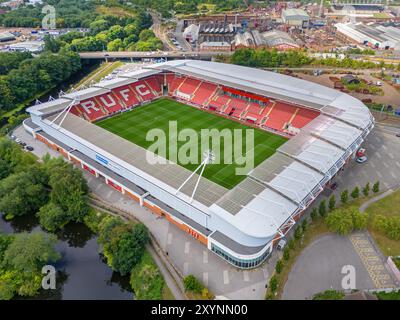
(373, 35)
(295, 17)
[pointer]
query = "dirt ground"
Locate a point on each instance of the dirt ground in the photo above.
(391, 95)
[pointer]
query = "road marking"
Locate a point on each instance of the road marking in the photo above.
(265, 273)
(393, 175)
(372, 164)
(109, 193)
(384, 147)
(98, 187)
(226, 277)
(391, 155)
(379, 174)
(397, 163)
(186, 268)
(187, 247)
(169, 239)
(246, 276)
(378, 155)
(385, 164)
(205, 279)
(205, 256)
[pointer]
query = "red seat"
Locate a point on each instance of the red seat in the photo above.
(142, 89)
(280, 115)
(127, 96)
(303, 117)
(203, 93)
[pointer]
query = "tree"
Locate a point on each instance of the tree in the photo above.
(375, 187)
(355, 193)
(322, 208)
(332, 202)
(291, 244)
(298, 233)
(286, 253)
(22, 193)
(190, 283)
(52, 217)
(340, 222)
(360, 220)
(273, 284)
(304, 224)
(314, 214)
(344, 196)
(366, 190)
(279, 266)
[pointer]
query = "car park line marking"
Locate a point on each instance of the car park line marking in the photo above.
(169, 239)
(393, 174)
(205, 279)
(385, 164)
(397, 163)
(226, 277)
(246, 276)
(379, 174)
(187, 247)
(109, 193)
(384, 147)
(186, 268)
(391, 155)
(378, 155)
(205, 256)
(372, 164)
(265, 273)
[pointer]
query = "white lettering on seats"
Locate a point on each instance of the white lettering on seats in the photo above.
(140, 90)
(87, 105)
(125, 94)
(110, 103)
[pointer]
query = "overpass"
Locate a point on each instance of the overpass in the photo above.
(132, 55)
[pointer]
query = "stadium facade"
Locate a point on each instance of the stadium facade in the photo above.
(241, 225)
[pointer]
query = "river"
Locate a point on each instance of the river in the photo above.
(81, 273)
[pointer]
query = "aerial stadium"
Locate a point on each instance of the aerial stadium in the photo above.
(305, 134)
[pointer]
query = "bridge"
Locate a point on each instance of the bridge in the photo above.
(132, 55)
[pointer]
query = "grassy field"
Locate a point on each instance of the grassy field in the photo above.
(134, 126)
(389, 207)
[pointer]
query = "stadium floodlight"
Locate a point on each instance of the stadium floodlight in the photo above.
(208, 158)
(65, 111)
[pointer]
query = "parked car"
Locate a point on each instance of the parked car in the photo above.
(23, 144)
(18, 140)
(379, 84)
(29, 148)
(334, 186)
(398, 135)
(281, 244)
(361, 159)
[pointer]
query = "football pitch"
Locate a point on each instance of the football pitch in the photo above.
(135, 124)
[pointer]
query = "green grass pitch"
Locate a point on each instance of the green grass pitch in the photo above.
(134, 125)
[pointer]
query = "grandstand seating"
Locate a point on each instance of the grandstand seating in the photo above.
(126, 96)
(204, 92)
(303, 117)
(175, 84)
(109, 102)
(189, 86)
(154, 84)
(280, 115)
(91, 109)
(275, 115)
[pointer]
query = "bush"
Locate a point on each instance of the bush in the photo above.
(340, 222)
(52, 217)
(332, 202)
(314, 214)
(286, 254)
(273, 284)
(279, 266)
(304, 225)
(146, 280)
(360, 220)
(298, 233)
(93, 219)
(190, 283)
(394, 295)
(344, 196)
(375, 187)
(322, 208)
(389, 226)
(291, 244)
(366, 190)
(329, 295)
(355, 193)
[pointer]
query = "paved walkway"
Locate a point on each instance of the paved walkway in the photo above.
(367, 203)
(372, 260)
